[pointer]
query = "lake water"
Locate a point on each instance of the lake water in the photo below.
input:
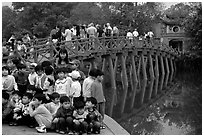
(178, 113)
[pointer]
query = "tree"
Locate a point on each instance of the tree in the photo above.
(8, 23)
(193, 26)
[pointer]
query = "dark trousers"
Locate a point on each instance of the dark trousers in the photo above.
(65, 123)
(94, 126)
(81, 127)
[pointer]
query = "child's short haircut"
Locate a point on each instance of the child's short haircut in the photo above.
(38, 68)
(5, 96)
(16, 92)
(79, 104)
(29, 95)
(99, 73)
(6, 68)
(21, 66)
(93, 72)
(48, 70)
(60, 70)
(40, 97)
(92, 100)
(46, 63)
(54, 95)
(64, 99)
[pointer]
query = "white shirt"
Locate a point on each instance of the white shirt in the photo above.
(32, 78)
(135, 33)
(67, 35)
(129, 35)
(75, 90)
(87, 86)
(61, 86)
(150, 34)
(38, 81)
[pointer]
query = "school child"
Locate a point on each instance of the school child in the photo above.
(49, 82)
(41, 114)
(7, 107)
(21, 77)
(62, 60)
(97, 92)
(16, 100)
(8, 81)
(80, 115)
(87, 84)
(25, 118)
(93, 116)
(75, 90)
(62, 85)
(63, 118)
(54, 104)
(75, 65)
(32, 75)
(40, 79)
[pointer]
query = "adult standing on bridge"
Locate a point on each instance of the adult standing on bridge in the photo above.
(68, 35)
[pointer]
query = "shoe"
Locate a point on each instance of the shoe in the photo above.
(62, 132)
(57, 131)
(11, 124)
(70, 133)
(42, 129)
(15, 124)
(102, 127)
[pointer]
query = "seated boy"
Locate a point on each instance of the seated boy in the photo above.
(40, 113)
(93, 116)
(16, 100)
(63, 118)
(80, 115)
(7, 107)
(25, 118)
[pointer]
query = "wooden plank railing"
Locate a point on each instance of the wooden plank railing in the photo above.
(44, 48)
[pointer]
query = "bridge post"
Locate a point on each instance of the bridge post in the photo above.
(134, 80)
(144, 84)
(125, 82)
(115, 70)
(113, 85)
(172, 70)
(167, 72)
(151, 71)
(35, 55)
(138, 73)
(156, 76)
(163, 73)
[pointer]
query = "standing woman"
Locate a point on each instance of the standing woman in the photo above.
(62, 60)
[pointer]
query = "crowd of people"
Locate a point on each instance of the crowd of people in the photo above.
(61, 99)
(25, 44)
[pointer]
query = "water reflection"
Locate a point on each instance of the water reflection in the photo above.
(179, 113)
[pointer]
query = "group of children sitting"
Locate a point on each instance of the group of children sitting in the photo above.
(64, 103)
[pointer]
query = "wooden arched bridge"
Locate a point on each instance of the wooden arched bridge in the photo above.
(135, 71)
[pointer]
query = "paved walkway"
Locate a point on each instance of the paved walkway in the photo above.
(112, 128)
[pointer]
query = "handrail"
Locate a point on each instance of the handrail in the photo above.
(85, 47)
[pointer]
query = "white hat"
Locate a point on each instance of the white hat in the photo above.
(33, 64)
(75, 74)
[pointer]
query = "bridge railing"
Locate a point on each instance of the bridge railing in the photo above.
(46, 49)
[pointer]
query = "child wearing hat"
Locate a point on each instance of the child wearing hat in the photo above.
(75, 90)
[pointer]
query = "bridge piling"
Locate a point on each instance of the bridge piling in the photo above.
(156, 76)
(144, 81)
(125, 82)
(162, 74)
(151, 71)
(113, 85)
(167, 72)
(134, 81)
(172, 70)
